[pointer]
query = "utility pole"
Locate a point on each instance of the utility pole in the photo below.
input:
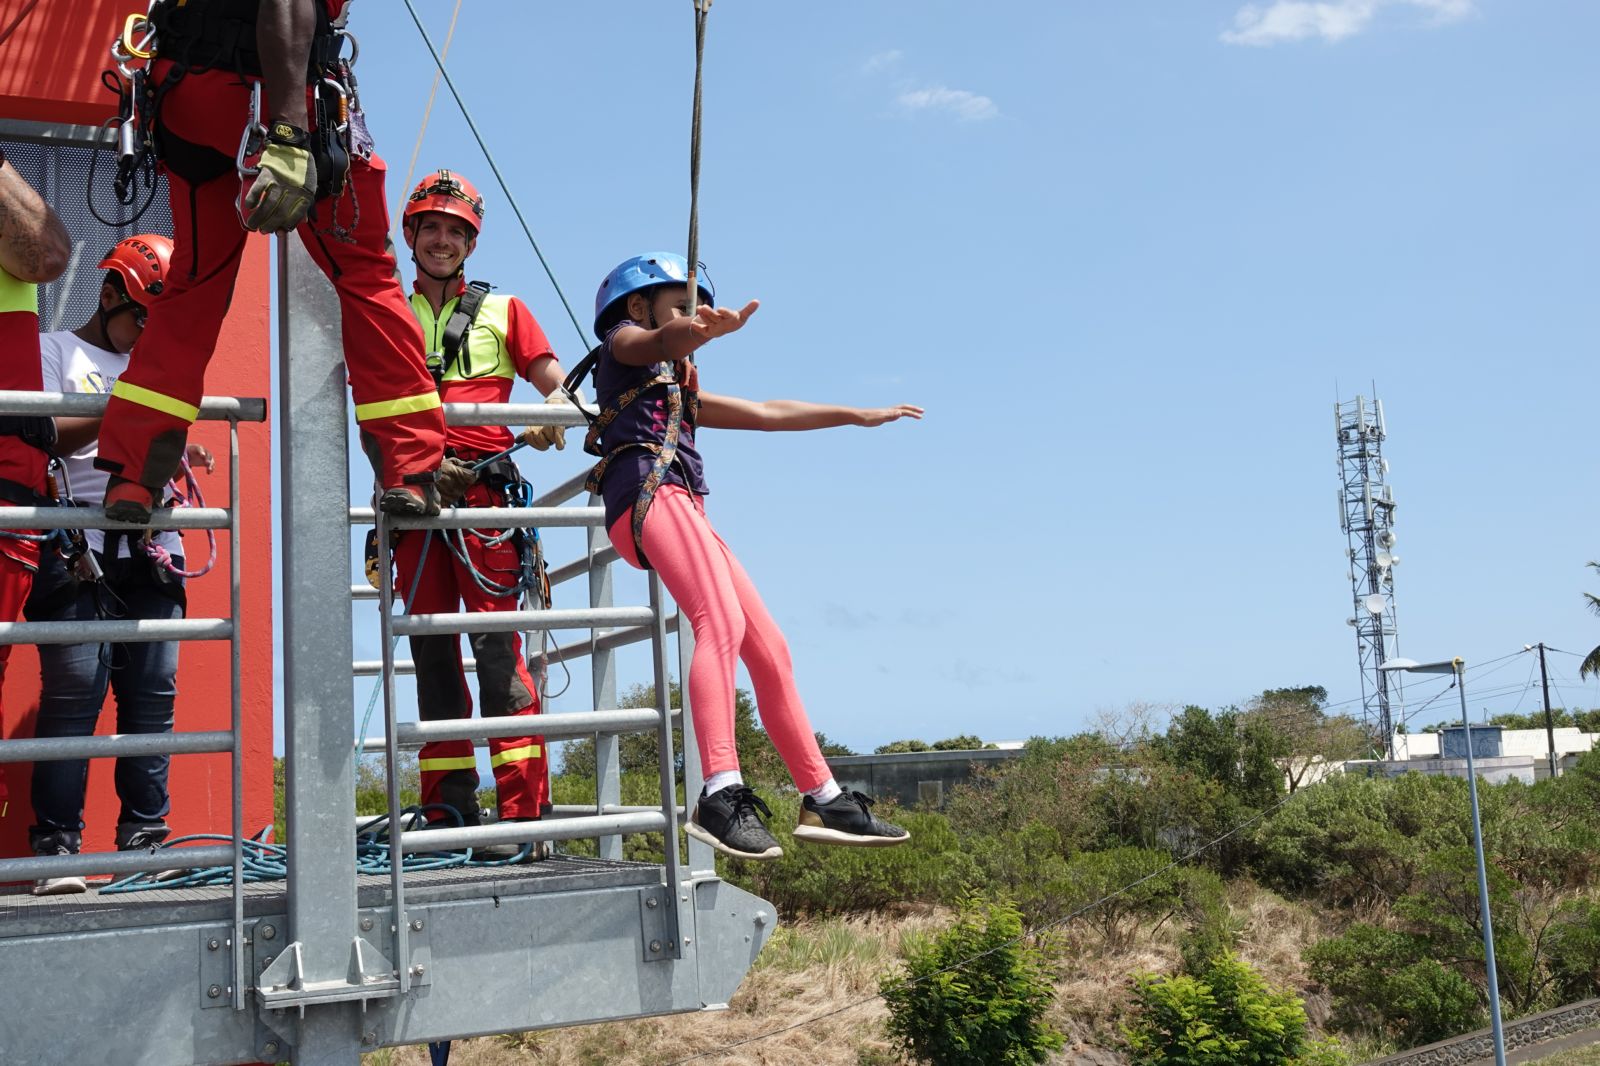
(1549, 725)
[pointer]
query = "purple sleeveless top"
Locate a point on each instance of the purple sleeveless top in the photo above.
(644, 420)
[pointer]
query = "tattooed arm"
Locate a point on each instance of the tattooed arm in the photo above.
(34, 245)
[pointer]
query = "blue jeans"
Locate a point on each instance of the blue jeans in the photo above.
(75, 679)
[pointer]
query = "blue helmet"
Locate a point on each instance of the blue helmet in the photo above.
(645, 272)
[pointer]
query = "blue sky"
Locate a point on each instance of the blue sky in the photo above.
(1127, 255)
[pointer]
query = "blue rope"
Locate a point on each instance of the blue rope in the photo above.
(265, 861)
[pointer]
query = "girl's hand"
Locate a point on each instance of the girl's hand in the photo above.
(688, 375)
(877, 416)
(200, 455)
(711, 322)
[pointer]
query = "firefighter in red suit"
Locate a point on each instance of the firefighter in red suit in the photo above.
(34, 248)
(479, 344)
(209, 55)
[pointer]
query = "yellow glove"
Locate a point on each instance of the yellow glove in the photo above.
(454, 477)
(282, 194)
(539, 438)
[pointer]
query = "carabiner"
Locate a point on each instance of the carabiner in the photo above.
(255, 135)
(143, 49)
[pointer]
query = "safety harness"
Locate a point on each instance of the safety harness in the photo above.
(455, 330)
(203, 35)
(682, 407)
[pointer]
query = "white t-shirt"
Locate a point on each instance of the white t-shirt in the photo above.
(70, 365)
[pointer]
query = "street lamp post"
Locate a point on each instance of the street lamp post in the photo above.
(1458, 666)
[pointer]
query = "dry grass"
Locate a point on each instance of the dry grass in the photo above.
(807, 970)
(813, 968)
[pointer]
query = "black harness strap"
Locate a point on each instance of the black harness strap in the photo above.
(680, 407)
(456, 328)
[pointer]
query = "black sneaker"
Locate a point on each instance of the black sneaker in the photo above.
(147, 837)
(846, 819)
(728, 821)
(56, 844)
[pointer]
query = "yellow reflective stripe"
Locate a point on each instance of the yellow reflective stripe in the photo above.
(17, 295)
(157, 401)
(405, 405)
(465, 762)
(527, 751)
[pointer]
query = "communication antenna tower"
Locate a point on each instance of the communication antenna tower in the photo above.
(1366, 514)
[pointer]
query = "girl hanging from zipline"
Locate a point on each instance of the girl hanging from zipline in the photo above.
(652, 481)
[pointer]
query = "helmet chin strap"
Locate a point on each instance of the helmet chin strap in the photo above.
(105, 318)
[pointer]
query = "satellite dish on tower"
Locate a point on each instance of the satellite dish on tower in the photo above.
(1374, 604)
(1384, 560)
(1386, 539)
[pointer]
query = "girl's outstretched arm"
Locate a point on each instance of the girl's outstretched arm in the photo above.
(678, 338)
(730, 412)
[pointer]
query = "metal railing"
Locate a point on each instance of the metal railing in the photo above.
(610, 627)
(233, 411)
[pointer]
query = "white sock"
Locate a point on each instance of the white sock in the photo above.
(723, 779)
(826, 792)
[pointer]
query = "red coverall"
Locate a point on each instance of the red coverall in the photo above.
(155, 400)
(504, 342)
(20, 463)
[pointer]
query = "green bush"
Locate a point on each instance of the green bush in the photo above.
(1210, 931)
(975, 995)
(817, 879)
(1386, 981)
(1112, 891)
(1227, 1016)
(1358, 840)
(1025, 865)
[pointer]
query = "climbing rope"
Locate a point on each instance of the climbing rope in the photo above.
(266, 861)
(427, 112)
(583, 336)
(702, 9)
(188, 496)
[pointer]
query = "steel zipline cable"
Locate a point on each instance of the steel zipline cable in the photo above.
(483, 146)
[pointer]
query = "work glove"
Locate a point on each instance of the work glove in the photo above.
(454, 478)
(283, 192)
(540, 438)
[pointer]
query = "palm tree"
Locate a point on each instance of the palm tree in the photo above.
(1591, 662)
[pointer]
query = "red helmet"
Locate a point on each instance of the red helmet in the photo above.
(143, 262)
(448, 193)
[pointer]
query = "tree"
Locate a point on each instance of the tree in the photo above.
(1230, 748)
(1307, 734)
(1591, 662)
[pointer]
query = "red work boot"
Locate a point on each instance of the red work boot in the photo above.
(129, 501)
(410, 501)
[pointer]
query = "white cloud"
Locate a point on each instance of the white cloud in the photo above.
(881, 61)
(969, 107)
(1330, 20)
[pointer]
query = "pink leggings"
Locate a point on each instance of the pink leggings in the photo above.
(730, 622)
